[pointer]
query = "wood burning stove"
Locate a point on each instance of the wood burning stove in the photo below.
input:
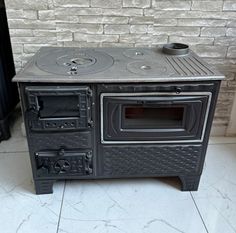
(116, 113)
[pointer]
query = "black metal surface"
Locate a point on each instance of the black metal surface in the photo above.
(117, 127)
(184, 159)
(176, 49)
(57, 108)
(8, 90)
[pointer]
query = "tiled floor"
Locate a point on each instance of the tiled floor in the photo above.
(130, 206)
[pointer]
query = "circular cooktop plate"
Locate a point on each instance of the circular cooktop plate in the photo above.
(74, 61)
(146, 68)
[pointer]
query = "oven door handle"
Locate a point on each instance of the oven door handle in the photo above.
(156, 102)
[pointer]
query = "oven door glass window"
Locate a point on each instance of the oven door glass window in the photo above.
(133, 119)
(58, 106)
(144, 117)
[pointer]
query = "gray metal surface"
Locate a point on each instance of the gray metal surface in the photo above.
(114, 65)
(73, 61)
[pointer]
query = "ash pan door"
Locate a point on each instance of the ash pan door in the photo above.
(153, 117)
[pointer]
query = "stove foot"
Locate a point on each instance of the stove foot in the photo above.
(43, 186)
(190, 183)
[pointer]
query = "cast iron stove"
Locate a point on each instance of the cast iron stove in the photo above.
(97, 113)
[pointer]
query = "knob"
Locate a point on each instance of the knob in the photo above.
(62, 166)
(61, 152)
(178, 90)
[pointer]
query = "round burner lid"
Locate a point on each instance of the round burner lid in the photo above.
(146, 68)
(74, 61)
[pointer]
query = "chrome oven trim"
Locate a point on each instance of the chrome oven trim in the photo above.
(209, 94)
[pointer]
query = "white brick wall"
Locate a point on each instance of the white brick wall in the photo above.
(208, 26)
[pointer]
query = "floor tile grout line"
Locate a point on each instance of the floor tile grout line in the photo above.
(62, 201)
(199, 212)
(12, 152)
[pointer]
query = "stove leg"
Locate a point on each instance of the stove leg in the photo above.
(190, 183)
(43, 186)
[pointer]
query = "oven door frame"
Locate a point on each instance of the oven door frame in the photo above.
(170, 94)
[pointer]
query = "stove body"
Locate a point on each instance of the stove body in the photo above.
(116, 113)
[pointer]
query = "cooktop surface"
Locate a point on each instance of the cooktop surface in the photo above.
(70, 65)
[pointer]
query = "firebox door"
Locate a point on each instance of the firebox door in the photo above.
(56, 108)
(153, 117)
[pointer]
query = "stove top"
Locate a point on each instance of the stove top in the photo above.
(52, 64)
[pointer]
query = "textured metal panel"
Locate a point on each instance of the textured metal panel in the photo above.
(148, 160)
(59, 140)
(189, 66)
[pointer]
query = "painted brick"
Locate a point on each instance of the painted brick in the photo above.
(104, 19)
(117, 45)
(231, 32)
(17, 48)
(231, 23)
(107, 3)
(33, 48)
(46, 14)
(182, 31)
(229, 5)
(33, 40)
(81, 44)
(225, 41)
(210, 51)
(71, 3)
(20, 32)
(165, 22)
(207, 5)
(141, 20)
(142, 38)
(192, 40)
(44, 32)
(75, 11)
(64, 36)
(95, 38)
(21, 14)
(213, 32)
(231, 52)
(202, 22)
(123, 12)
(137, 3)
(138, 29)
(116, 29)
(69, 19)
(190, 14)
(32, 24)
(171, 5)
(81, 28)
(27, 4)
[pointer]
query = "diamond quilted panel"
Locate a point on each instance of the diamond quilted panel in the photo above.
(55, 141)
(145, 160)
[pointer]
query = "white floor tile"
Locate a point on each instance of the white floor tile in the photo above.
(21, 210)
(216, 198)
(140, 206)
(222, 140)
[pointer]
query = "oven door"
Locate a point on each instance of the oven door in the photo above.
(153, 117)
